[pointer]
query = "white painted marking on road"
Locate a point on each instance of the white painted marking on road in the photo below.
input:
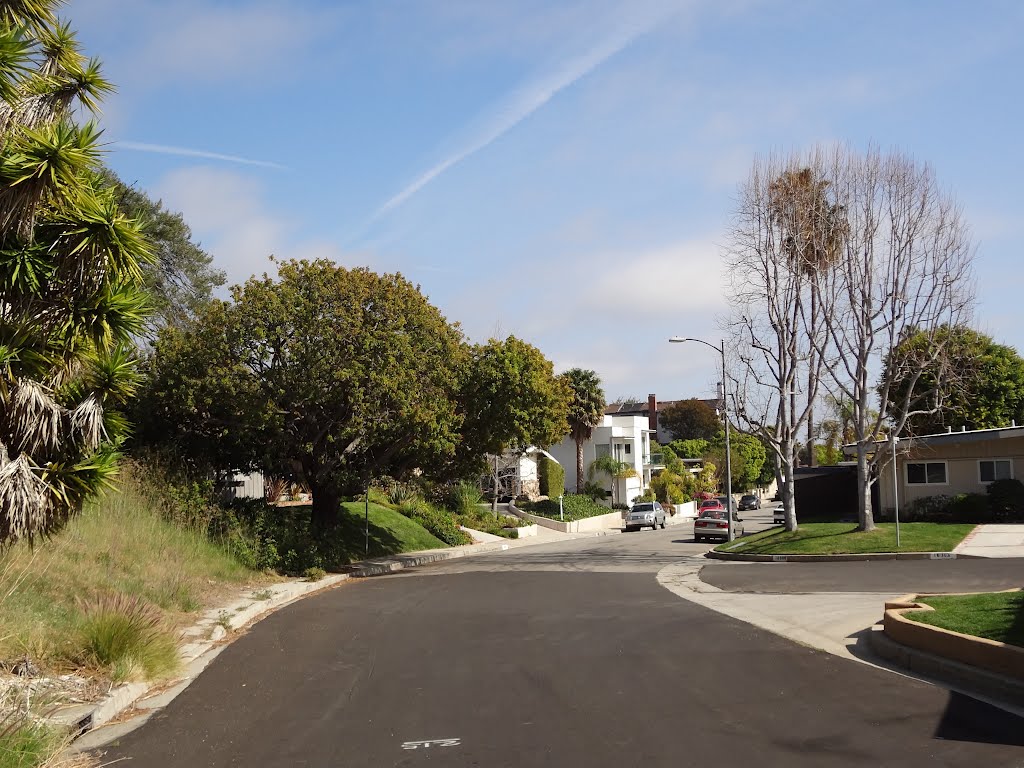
(778, 558)
(431, 743)
(504, 547)
(942, 555)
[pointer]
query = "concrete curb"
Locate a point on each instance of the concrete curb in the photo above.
(738, 557)
(952, 673)
(976, 652)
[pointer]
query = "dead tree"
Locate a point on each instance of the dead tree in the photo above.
(904, 268)
(780, 241)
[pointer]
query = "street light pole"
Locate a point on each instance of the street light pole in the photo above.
(725, 411)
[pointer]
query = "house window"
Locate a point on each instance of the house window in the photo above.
(995, 469)
(926, 473)
(629, 449)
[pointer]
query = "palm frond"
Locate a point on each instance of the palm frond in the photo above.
(59, 47)
(87, 421)
(43, 163)
(25, 510)
(35, 418)
(37, 14)
(15, 60)
(114, 315)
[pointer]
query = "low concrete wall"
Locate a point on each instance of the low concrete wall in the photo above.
(685, 513)
(527, 530)
(610, 521)
(977, 651)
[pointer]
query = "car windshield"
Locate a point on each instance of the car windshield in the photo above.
(711, 503)
(749, 498)
(643, 508)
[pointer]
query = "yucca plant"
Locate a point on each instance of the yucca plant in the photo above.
(402, 493)
(70, 281)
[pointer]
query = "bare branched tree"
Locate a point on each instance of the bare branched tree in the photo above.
(785, 234)
(904, 268)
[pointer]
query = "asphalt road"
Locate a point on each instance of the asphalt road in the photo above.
(557, 655)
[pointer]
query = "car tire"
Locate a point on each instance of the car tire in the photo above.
(629, 529)
(663, 524)
(696, 538)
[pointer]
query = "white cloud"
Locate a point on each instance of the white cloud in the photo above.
(189, 40)
(231, 216)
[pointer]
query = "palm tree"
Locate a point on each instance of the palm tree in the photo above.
(70, 281)
(586, 409)
(616, 470)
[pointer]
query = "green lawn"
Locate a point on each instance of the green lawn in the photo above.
(995, 615)
(391, 532)
(843, 538)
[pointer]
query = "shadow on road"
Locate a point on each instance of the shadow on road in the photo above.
(967, 719)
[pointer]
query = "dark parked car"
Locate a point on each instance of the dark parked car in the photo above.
(750, 501)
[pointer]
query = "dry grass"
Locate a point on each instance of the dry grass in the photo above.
(119, 546)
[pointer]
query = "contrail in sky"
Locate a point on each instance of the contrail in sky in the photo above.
(186, 152)
(526, 100)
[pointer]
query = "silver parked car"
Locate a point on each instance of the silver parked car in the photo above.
(645, 513)
(714, 524)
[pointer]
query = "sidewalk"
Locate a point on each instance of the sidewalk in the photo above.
(993, 541)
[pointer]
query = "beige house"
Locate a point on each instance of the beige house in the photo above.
(950, 463)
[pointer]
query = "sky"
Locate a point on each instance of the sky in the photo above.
(564, 172)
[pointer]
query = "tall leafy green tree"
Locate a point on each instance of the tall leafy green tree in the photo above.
(691, 419)
(748, 458)
(181, 278)
(327, 374)
(586, 410)
(976, 383)
(512, 398)
(71, 297)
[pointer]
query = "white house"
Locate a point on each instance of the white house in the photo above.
(628, 439)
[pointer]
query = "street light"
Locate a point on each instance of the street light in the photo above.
(728, 447)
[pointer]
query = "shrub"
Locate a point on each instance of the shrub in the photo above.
(647, 495)
(440, 522)
(314, 574)
(576, 506)
(593, 490)
(928, 509)
(246, 529)
(963, 508)
(129, 637)
(1006, 497)
(552, 478)
(465, 498)
(970, 508)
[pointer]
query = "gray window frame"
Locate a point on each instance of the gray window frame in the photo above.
(906, 472)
